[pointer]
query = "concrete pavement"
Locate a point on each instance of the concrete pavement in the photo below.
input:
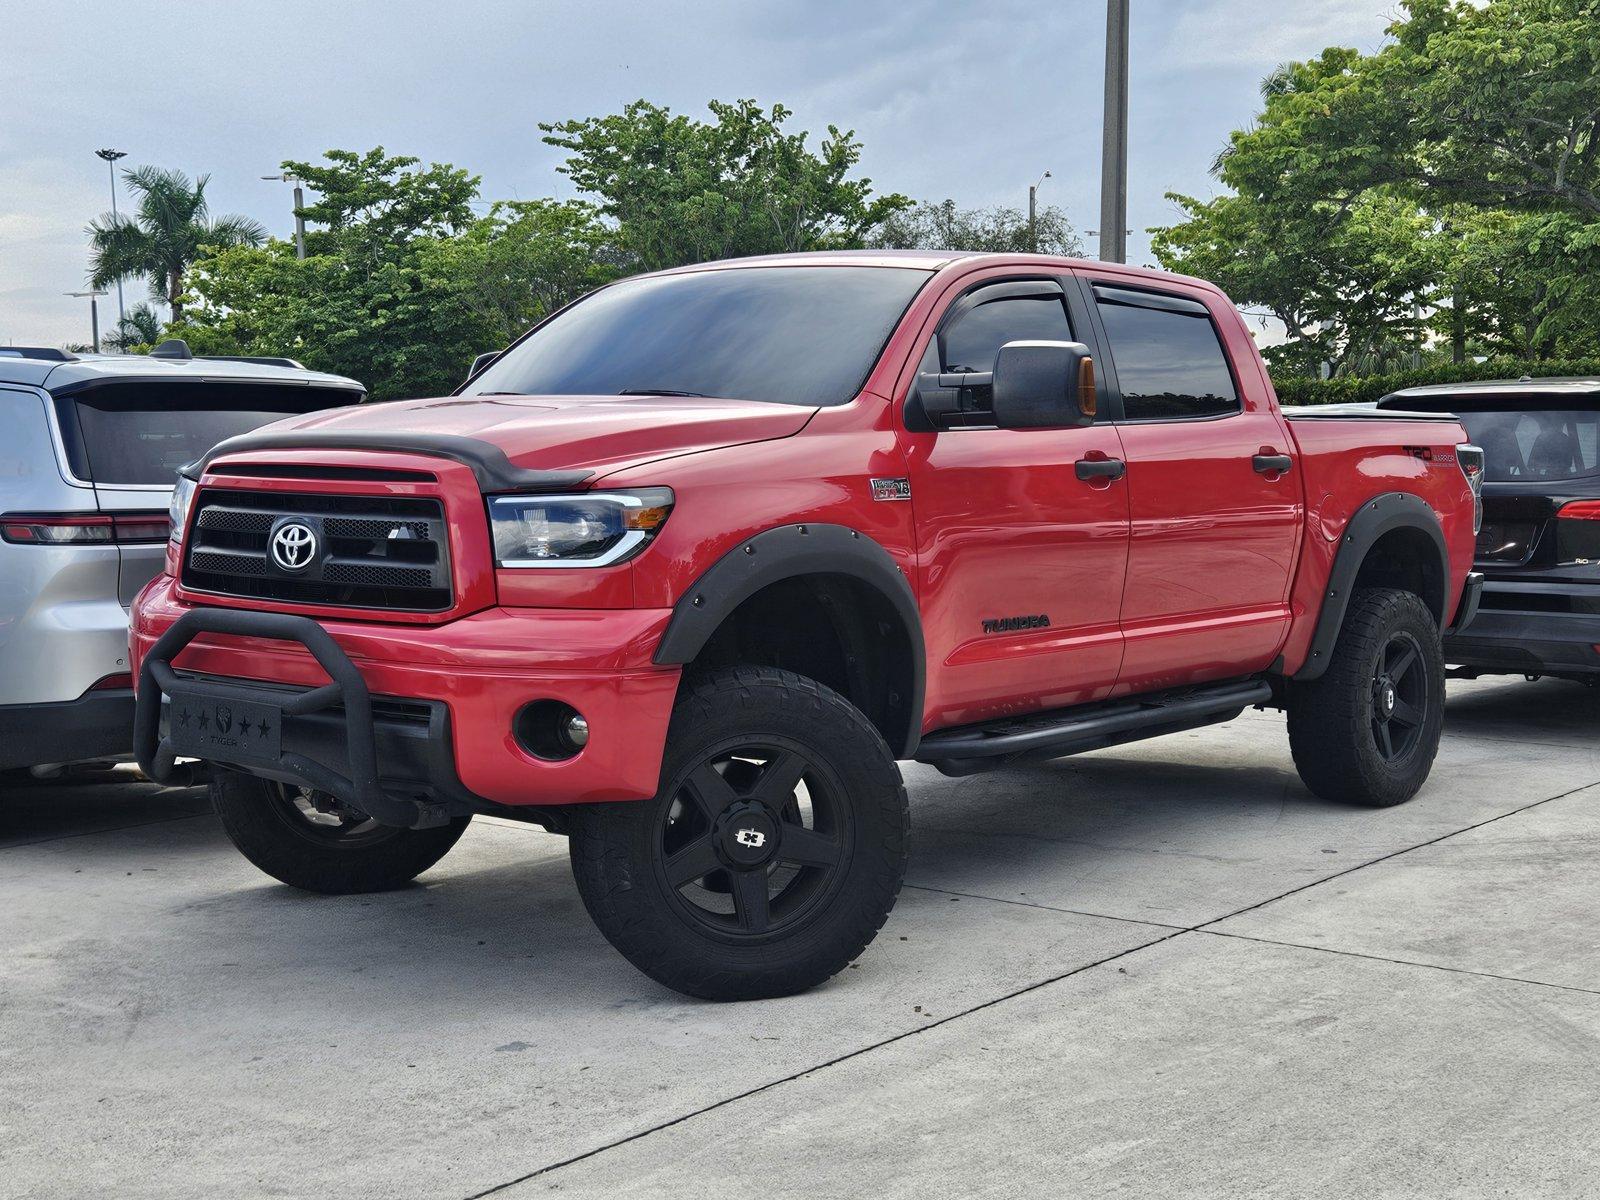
(1155, 970)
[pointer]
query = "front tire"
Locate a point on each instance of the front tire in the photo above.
(773, 852)
(1367, 731)
(307, 840)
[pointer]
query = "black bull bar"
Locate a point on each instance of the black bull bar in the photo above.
(359, 788)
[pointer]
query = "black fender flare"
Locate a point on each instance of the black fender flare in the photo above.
(1376, 517)
(787, 552)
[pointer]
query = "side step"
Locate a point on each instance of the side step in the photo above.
(1055, 734)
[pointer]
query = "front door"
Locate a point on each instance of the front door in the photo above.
(1021, 560)
(1213, 487)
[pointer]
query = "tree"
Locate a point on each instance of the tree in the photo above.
(140, 327)
(1474, 132)
(401, 287)
(374, 202)
(943, 226)
(682, 191)
(167, 231)
(1345, 280)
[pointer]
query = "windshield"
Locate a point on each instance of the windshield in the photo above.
(1533, 444)
(796, 335)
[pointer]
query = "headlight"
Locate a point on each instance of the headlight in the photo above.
(178, 510)
(592, 529)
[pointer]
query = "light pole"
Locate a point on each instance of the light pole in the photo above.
(94, 313)
(299, 203)
(111, 157)
(1114, 143)
(1033, 213)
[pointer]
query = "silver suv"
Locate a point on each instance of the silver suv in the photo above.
(89, 450)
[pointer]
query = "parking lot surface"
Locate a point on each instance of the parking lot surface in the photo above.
(1153, 970)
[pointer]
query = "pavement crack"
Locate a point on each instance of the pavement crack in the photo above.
(1076, 912)
(1398, 962)
(822, 1066)
(66, 837)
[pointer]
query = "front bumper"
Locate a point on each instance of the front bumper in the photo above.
(98, 724)
(1504, 638)
(442, 700)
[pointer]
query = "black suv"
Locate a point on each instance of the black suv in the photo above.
(1539, 546)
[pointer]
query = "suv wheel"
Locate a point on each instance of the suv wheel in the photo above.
(773, 852)
(308, 840)
(1368, 730)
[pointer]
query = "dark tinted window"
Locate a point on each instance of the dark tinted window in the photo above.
(974, 338)
(1536, 444)
(798, 335)
(142, 433)
(1169, 364)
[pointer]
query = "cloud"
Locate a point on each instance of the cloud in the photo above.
(969, 99)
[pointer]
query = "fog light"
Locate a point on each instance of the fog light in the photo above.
(550, 730)
(577, 730)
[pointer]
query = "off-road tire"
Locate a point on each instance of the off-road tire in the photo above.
(385, 859)
(618, 855)
(1332, 719)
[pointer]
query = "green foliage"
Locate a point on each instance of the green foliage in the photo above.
(1359, 389)
(141, 327)
(403, 287)
(682, 191)
(1476, 132)
(169, 229)
(943, 226)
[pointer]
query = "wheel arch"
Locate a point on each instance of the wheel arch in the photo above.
(1393, 540)
(825, 601)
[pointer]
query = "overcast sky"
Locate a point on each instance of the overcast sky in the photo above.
(968, 100)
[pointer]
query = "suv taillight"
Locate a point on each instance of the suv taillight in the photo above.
(1579, 510)
(1470, 459)
(84, 529)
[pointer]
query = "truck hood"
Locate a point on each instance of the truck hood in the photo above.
(598, 434)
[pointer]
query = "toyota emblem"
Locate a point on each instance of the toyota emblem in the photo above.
(294, 545)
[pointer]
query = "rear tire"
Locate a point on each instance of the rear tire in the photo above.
(772, 854)
(304, 839)
(1367, 731)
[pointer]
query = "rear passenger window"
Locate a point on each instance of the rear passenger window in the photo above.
(1169, 360)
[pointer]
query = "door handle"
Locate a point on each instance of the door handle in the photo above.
(1100, 468)
(1267, 464)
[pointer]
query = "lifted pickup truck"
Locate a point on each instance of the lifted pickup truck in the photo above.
(684, 571)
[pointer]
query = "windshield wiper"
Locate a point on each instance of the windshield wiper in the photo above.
(660, 392)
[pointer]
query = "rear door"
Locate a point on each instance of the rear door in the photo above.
(1215, 501)
(127, 440)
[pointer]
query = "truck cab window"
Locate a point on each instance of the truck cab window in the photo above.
(973, 339)
(1169, 360)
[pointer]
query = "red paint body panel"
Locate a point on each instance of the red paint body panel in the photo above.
(1191, 567)
(484, 667)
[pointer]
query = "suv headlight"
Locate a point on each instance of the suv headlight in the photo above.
(178, 510)
(588, 529)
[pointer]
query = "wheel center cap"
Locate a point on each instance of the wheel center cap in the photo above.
(747, 835)
(1386, 698)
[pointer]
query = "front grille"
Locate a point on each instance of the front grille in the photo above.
(386, 552)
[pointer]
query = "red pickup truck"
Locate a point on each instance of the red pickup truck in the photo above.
(687, 569)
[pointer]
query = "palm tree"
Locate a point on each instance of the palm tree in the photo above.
(141, 327)
(164, 235)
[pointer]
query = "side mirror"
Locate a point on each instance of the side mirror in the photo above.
(1044, 385)
(483, 360)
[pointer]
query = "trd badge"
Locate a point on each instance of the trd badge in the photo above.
(891, 489)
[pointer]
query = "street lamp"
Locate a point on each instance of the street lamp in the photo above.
(111, 157)
(299, 203)
(94, 313)
(1033, 213)
(1114, 140)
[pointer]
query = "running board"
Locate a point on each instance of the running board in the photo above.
(1055, 734)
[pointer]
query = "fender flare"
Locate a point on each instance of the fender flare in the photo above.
(788, 552)
(1376, 517)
